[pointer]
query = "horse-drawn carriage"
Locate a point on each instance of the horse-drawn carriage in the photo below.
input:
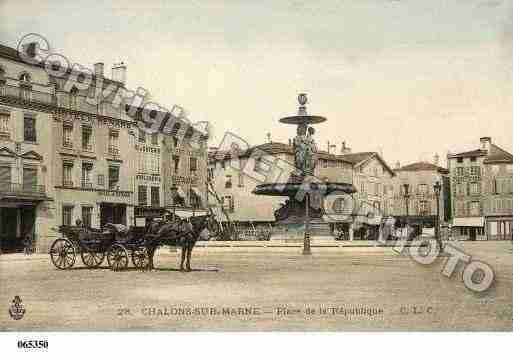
(114, 242)
(117, 243)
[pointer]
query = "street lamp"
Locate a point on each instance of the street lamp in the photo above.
(306, 241)
(437, 187)
(407, 201)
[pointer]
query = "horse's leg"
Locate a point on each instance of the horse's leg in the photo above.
(184, 249)
(190, 246)
(151, 253)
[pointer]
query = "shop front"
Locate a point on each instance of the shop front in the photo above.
(17, 225)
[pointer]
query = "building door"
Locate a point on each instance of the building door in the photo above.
(10, 241)
(112, 213)
(472, 233)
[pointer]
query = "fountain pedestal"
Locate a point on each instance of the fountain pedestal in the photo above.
(306, 193)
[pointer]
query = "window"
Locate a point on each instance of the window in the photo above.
(228, 183)
(87, 138)
(113, 177)
(423, 188)
(362, 187)
(142, 136)
(460, 189)
(67, 135)
(424, 208)
(5, 177)
(113, 142)
(473, 159)
(73, 98)
(155, 196)
(4, 124)
(460, 171)
(475, 188)
(194, 199)
(175, 141)
(241, 179)
(475, 171)
(29, 179)
(67, 174)
(25, 86)
(474, 208)
(193, 164)
(101, 180)
(87, 216)
(155, 139)
(228, 204)
(176, 161)
(67, 215)
(29, 128)
(2, 77)
(143, 196)
(459, 160)
(87, 169)
(376, 189)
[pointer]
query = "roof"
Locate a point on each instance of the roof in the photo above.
(12, 54)
(498, 155)
(275, 148)
(473, 153)
(422, 166)
(495, 155)
(358, 157)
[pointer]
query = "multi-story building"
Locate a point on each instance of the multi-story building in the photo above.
(62, 157)
(172, 166)
(26, 153)
(420, 203)
(482, 191)
(235, 176)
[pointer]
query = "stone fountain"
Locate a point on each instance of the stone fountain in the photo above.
(306, 192)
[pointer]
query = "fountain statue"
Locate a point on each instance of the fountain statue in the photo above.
(305, 191)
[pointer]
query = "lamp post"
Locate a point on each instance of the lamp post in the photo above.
(174, 189)
(306, 242)
(407, 201)
(437, 187)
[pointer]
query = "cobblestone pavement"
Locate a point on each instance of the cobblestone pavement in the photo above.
(261, 289)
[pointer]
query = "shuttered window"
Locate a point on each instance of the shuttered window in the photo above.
(5, 178)
(29, 178)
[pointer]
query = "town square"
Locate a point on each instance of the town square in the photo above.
(188, 167)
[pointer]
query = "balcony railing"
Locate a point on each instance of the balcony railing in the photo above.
(67, 144)
(21, 189)
(87, 147)
(67, 183)
(87, 184)
(113, 150)
(26, 94)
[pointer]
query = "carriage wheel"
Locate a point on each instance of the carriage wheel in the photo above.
(140, 258)
(62, 253)
(117, 257)
(92, 259)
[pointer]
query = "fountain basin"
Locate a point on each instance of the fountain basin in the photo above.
(290, 189)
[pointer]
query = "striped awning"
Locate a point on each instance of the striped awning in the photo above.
(468, 222)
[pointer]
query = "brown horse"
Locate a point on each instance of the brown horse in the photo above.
(176, 231)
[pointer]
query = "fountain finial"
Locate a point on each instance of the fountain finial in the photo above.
(302, 99)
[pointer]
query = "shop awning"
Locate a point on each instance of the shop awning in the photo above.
(468, 222)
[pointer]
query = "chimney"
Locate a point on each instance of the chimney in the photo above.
(119, 72)
(344, 149)
(397, 165)
(485, 143)
(436, 159)
(98, 69)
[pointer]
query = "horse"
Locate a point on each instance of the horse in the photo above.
(176, 231)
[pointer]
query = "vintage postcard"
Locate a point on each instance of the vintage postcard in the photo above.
(269, 166)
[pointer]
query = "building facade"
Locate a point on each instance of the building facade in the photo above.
(419, 205)
(482, 189)
(234, 176)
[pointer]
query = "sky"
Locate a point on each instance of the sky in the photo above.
(405, 78)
